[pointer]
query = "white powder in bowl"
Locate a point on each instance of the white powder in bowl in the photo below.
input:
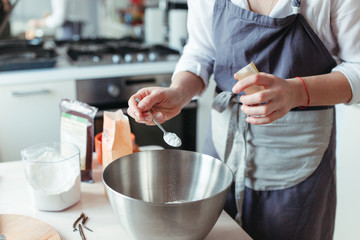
(57, 201)
(53, 183)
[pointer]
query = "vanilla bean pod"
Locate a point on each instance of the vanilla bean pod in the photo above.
(81, 231)
(77, 220)
(80, 222)
(83, 223)
(84, 220)
(87, 228)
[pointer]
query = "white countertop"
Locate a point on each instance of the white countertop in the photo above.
(15, 200)
(86, 72)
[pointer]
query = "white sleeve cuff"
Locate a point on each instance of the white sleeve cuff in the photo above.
(352, 72)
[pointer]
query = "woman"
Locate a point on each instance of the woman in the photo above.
(66, 17)
(280, 142)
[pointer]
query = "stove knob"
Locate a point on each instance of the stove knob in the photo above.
(113, 90)
(152, 57)
(116, 59)
(96, 59)
(128, 58)
(140, 57)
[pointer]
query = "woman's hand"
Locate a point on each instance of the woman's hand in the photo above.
(163, 103)
(279, 96)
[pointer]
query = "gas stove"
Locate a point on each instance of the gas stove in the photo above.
(20, 54)
(89, 52)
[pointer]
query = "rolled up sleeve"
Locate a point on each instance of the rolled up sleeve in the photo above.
(198, 54)
(58, 14)
(345, 23)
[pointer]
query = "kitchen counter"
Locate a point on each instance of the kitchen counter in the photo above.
(102, 220)
(34, 94)
(86, 72)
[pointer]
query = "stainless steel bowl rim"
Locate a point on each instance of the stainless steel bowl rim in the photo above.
(171, 203)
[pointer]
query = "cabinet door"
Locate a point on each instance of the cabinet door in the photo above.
(30, 115)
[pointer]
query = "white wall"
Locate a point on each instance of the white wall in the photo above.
(27, 9)
(348, 173)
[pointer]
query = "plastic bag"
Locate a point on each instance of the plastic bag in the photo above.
(77, 127)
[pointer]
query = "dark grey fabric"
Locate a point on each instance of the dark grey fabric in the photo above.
(296, 3)
(286, 47)
(303, 212)
(71, 30)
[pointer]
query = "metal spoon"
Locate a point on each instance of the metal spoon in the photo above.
(170, 138)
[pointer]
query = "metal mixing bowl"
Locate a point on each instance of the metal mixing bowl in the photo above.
(167, 194)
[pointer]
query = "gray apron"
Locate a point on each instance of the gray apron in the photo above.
(285, 170)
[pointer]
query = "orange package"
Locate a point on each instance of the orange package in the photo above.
(116, 137)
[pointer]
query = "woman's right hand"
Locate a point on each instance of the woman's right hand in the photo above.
(163, 102)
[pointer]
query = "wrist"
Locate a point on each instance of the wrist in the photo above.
(182, 94)
(188, 85)
(301, 94)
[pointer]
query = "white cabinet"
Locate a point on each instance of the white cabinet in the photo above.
(348, 169)
(30, 115)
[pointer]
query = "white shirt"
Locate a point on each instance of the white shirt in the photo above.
(336, 22)
(71, 10)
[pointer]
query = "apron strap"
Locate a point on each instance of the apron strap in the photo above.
(237, 123)
(221, 102)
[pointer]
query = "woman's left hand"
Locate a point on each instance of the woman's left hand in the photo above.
(279, 96)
